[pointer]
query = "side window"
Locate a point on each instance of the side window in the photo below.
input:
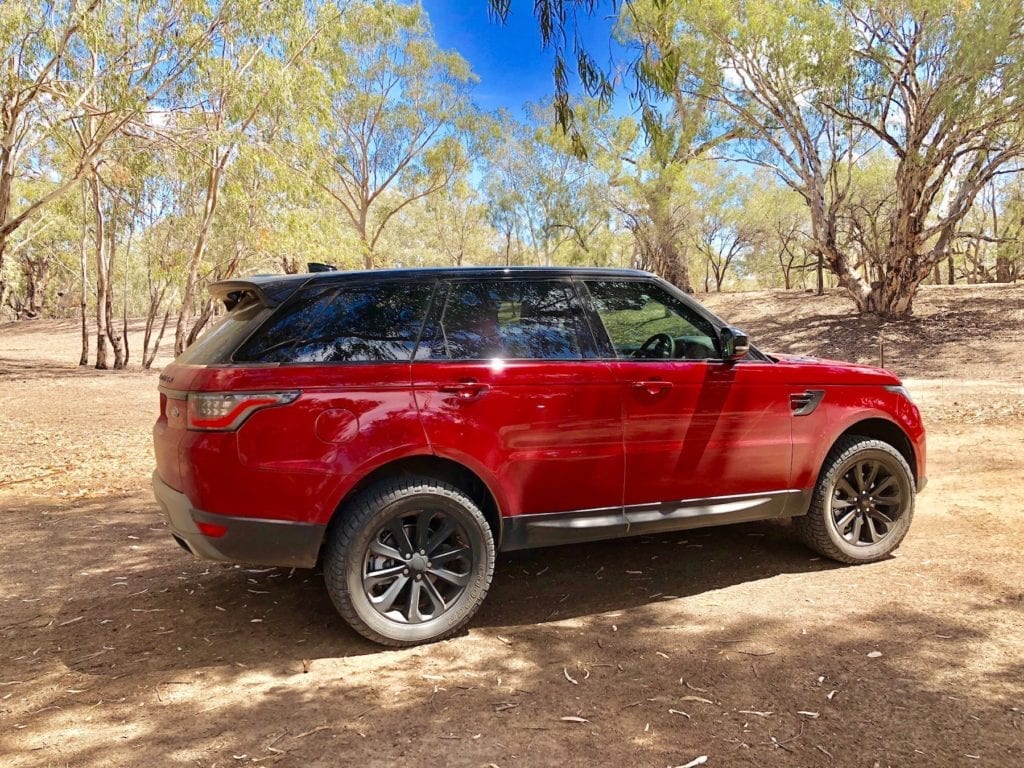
(273, 342)
(509, 319)
(646, 322)
(360, 323)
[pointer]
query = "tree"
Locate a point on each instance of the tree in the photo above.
(246, 71)
(941, 85)
(541, 192)
(648, 186)
(780, 220)
(90, 66)
(390, 121)
(722, 231)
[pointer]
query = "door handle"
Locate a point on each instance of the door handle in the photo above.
(466, 390)
(652, 386)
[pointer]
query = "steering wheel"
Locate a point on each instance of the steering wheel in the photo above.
(660, 345)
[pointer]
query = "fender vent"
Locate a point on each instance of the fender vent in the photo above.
(804, 403)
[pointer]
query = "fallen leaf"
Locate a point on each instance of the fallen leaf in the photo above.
(874, 654)
(569, 677)
(695, 762)
(574, 719)
(697, 698)
(812, 715)
(755, 712)
(679, 712)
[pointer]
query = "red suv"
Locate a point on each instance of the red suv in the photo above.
(400, 427)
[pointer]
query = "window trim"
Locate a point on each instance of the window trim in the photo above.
(584, 332)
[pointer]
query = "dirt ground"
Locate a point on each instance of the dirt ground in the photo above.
(119, 649)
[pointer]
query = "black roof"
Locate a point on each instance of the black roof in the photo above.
(273, 289)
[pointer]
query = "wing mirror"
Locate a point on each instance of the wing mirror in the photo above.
(735, 344)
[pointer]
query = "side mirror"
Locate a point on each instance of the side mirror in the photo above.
(735, 344)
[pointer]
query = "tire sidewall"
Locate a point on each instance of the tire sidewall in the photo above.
(898, 466)
(479, 535)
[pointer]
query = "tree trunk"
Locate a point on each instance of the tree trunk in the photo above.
(100, 240)
(147, 360)
(3, 283)
(950, 270)
(201, 321)
(37, 275)
(83, 255)
(202, 241)
(124, 297)
(666, 258)
(113, 335)
(787, 278)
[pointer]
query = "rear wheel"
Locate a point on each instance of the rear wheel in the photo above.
(863, 503)
(410, 561)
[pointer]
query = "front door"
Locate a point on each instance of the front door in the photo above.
(699, 434)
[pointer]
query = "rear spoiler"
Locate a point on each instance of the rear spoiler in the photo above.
(269, 293)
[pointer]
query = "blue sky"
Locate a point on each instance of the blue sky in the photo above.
(508, 59)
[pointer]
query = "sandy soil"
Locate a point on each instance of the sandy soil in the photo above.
(733, 643)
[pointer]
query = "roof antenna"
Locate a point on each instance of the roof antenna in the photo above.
(315, 266)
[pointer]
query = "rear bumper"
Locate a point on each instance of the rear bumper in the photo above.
(246, 539)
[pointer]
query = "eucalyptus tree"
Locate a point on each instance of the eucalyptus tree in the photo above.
(245, 77)
(388, 119)
(722, 231)
(73, 75)
(541, 192)
(938, 84)
(649, 187)
(779, 217)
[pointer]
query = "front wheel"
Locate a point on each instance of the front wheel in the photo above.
(863, 503)
(410, 561)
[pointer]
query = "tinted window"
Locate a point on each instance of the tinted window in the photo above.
(509, 319)
(362, 323)
(646, 322)
(216, 345)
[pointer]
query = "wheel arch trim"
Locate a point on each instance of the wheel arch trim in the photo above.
(479, 485)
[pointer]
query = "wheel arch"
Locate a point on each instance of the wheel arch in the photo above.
(886, 431)
(439, 468)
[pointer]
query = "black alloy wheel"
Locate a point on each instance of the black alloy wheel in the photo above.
(409, 561)
(418, 565)
(863, 503)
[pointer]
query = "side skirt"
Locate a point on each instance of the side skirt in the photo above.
(550, 529)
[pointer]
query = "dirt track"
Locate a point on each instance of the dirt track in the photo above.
(735, 643)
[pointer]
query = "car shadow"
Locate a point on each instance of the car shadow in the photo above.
(154, 607)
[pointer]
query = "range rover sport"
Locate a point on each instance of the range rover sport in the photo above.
(400, 427)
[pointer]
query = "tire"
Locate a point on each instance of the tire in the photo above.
(847, 521)
(379, 563)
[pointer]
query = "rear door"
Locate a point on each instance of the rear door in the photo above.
(695, 427)
(507, 383)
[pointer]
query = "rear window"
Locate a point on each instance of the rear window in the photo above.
(340, 324)
(216, 345)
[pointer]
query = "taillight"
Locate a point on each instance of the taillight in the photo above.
(222, 411)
